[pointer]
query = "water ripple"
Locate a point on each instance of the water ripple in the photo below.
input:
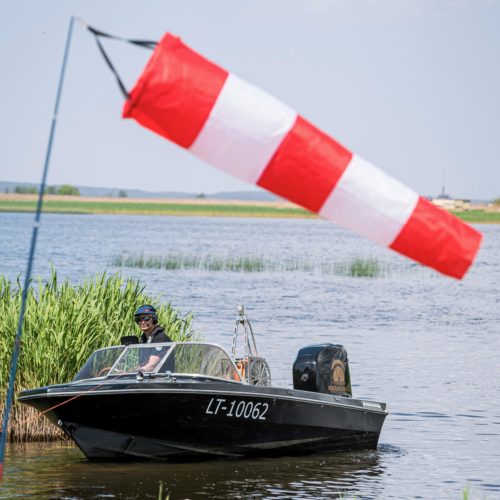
(427, 345)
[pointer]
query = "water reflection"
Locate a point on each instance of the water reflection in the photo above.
(60, 471)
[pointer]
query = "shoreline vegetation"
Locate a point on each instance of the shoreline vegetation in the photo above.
(185, 207)
(359, 267)
(152, 206)
(63, 326)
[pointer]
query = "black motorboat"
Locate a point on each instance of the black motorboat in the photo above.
(201, 401)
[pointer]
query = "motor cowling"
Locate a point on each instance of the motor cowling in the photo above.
(322, 368)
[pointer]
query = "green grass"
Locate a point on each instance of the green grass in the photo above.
(479, 216)
(359, 267)
(469, 495)
(63, 326)
(147, 208)
(160, 496)
(466, 495)
(98, 207)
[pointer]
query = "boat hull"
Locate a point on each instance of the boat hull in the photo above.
(165, 421)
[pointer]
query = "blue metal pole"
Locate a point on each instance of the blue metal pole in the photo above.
(36, 225)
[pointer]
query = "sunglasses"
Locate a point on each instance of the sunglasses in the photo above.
(144, 318)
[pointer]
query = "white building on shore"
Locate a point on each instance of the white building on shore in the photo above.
(448, 203)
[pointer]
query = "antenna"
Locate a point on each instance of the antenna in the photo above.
(36, 225)
(254, 369)
(444, 174)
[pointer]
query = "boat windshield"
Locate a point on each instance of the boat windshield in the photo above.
(99, 363)
(200, 359)
(144, 358)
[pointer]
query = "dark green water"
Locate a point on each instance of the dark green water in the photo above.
(60, 471)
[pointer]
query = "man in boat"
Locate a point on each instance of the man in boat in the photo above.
(152, 333)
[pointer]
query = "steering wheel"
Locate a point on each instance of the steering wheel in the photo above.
(103, 370)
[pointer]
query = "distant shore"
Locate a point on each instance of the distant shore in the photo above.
(184, 207)
(154, 206)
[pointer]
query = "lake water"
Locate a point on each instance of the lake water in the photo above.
(426, 344)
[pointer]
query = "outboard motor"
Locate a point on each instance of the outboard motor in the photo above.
(322, 368)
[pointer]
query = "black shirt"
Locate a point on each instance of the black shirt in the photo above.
(157, 335)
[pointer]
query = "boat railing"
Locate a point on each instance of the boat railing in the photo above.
(254, 368)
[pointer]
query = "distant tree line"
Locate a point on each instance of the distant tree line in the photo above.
(64, 190)
(23, 190)
(67, 190)
(121, 194)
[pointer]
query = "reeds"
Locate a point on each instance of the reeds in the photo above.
(468, 495)
(63, 326)
(359, 267)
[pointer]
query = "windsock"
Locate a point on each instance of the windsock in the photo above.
(243, 130)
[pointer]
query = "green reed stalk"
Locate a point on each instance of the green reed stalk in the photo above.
(191, 261)
(358, 267)
(64, 325)
(172, 262)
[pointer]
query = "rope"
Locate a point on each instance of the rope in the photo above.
(76, 397)
(146, 44)
(211, 324)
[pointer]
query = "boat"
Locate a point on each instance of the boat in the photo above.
(200, 402)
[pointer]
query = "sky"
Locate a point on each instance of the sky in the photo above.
(411, 85)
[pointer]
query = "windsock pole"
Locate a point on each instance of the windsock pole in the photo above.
(36, 225)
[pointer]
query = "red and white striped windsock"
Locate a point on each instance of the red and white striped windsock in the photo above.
(243, 130)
